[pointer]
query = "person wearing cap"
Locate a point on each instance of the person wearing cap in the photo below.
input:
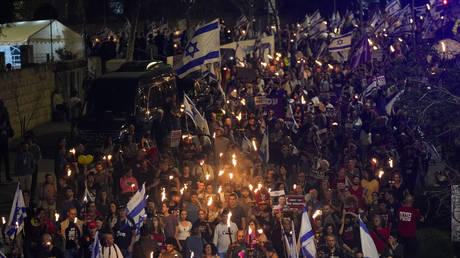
(87, 240)
(124, 232)
(146, 245)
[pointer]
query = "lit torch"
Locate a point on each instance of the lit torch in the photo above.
(163, 195)
(254, 145)
(390, 162)
(210, 201)
(317, 213)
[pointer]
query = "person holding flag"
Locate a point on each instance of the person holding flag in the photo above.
(367, 244)
(17, 217)
(124, 232)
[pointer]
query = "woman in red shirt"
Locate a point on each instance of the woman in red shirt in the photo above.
(380, 234)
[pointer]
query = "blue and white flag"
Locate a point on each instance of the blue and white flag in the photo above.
(389, 106)
(2, 255)
(291, 123)
(203, 48)
(135, 209)
(367, 243)
(371, 88)
(96, 250)
(307, 239)
(392, 8)
(195, 115)
(264, 149)
(341, 43)
(17, 215)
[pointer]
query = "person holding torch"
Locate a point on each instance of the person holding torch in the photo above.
(224, 233)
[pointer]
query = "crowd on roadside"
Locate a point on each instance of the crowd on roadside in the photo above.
(345, 154)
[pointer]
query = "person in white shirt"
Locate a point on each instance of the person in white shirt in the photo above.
(111, 249)
(221, 234)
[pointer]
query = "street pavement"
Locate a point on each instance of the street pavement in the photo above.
(47, 137)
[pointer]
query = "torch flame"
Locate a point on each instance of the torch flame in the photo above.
(221, 172)
(251, 187)
(390, 162)
(210, 201)
(220, 189)
(254, 145)
(381, 172)
(260, 231)
(163, 195)
(239, 117)
(56, 215)
(229, 216)
(317, 213)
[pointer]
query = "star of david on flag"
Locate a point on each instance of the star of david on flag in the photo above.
(203, 48)
(191, 49)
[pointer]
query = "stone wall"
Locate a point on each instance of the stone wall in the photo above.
(27, 95)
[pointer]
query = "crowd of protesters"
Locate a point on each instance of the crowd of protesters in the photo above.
(347, 157)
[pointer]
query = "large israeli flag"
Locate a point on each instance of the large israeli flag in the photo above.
(307, 240)
(135, 208)
(367, 243)
(203, 48)
(96, 250)
(195, 115)
(341, 43)
(17, 215)
(2, 255)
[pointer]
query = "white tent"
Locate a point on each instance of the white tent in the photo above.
(46, 36)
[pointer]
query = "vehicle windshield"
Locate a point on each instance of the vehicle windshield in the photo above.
(111, 96)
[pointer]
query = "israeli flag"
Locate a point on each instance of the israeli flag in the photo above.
(340, 43)
(196, 117)
(263, 149)
(307, 240)
(135, 208)
(2, 255)
(290, 120)
(203, 48)
(96, 251)
(17, 215)
(367, 243)
(370, 89)
(392, 8)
